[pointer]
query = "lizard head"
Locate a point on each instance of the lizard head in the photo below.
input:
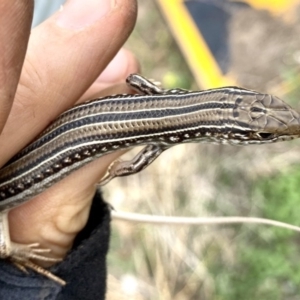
(267, 118)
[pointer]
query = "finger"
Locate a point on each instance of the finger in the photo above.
(119, 68)
(15, 24)
(123, 64)
(71, 57)
(60, 212)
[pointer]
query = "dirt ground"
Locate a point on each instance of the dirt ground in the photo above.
(264, 48)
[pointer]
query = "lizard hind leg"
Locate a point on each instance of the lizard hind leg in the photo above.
(21, 254)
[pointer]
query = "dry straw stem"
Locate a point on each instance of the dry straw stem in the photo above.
(167, 220)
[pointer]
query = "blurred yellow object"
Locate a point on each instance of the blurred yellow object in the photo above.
(276, 7)
(200, 59)
(199, 47)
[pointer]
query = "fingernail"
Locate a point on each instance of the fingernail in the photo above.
(77, 14)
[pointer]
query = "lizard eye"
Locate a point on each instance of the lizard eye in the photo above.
(265, 135)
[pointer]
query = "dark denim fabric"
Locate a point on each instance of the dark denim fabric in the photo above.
(84, 268)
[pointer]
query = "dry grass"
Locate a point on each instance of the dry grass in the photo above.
(150, 262)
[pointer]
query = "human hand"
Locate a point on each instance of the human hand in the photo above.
(65, 56)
